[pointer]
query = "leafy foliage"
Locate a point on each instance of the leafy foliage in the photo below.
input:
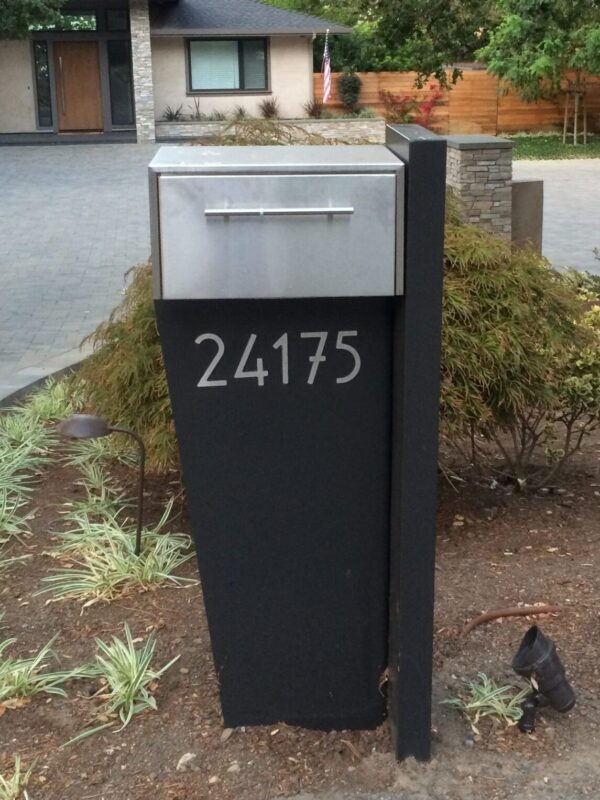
(17, 15)
(22, 678)
(103, 564)
(420, 35)
(124, 379)
(13, 788)
(269, 108)
(537, 43)
(520, 355)
(128, 679)
(402, 109)
(484, 698)
(349, 86)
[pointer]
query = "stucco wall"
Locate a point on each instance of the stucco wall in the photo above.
(291, 71)
(17, 104)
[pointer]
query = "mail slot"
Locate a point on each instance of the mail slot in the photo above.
(291, 296)
(298, 222)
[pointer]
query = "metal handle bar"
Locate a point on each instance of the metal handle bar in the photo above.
(276, 212)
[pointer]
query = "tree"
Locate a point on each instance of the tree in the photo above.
(543, 47)
(17, 15)
(428, 36)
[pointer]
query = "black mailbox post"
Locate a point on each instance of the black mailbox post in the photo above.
(298, 298)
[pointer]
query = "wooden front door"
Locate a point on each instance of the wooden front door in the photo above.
(78, 94)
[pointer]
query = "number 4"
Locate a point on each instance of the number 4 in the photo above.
(259, 373)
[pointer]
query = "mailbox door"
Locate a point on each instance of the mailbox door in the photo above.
(265, 236)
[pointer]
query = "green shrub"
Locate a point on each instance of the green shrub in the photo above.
(349, 86)
(520, 355)
(124, 379)
(520, 359)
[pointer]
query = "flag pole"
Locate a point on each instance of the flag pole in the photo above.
(326, 70)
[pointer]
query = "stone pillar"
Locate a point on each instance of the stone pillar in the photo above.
(141, 59)
(479, 169)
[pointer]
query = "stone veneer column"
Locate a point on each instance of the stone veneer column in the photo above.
(479, 169)
(141, 59)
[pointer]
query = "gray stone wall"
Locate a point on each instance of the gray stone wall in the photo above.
(479, 169)
(141, 58)
(371, 131)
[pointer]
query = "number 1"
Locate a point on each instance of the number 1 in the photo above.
(282, 343)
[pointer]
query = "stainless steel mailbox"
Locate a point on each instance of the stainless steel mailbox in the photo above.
(304, 384)
(276, 222)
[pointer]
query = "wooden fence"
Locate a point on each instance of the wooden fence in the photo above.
(474, 105)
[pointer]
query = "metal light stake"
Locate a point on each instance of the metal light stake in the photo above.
(88, 426)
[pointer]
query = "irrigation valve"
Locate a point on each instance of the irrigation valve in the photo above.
(537, 660)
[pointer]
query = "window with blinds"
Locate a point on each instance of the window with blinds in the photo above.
(227, 65)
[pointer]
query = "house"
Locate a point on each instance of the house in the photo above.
(115, 65)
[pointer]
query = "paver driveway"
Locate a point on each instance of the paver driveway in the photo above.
(571, 209)
(72, 221)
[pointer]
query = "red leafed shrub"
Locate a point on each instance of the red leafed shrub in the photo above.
(407, 108)
(428, 105)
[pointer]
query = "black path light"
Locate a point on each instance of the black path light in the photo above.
(88, 426)
(538, 660)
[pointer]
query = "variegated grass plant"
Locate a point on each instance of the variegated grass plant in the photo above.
(128, 680)
(103, 564)
(14, 787)
(104, 499)
(55, 400)
(22, 678)
(6, 562)
(484, 698)
(107, 448)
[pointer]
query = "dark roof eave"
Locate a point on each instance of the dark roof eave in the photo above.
(334, 31)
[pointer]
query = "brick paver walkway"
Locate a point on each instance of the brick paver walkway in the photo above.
(72, 221)
(571, 209)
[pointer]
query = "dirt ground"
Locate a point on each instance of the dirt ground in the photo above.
(496, 548)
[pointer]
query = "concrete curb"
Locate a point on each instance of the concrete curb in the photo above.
(16, 386)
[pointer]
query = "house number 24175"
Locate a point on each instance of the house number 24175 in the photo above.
(252, 367)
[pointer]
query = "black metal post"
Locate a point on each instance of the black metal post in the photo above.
(141, 476)
(416, 383)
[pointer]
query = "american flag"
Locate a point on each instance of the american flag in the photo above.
(326, 70)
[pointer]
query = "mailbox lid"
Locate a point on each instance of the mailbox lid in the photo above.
(315, 234)
(175, 159)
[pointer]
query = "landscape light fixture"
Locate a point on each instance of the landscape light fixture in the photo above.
(88, 426)
(537, 660)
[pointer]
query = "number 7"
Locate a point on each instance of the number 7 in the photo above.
(318, 356)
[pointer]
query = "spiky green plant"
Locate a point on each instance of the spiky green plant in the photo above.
(6, 562)
(94, 451)
(12, 521)
(55, 400)
(22, 678)
(13, 787)
(19, 429)
(484, 698)
(128, 678)
(18, 469)
(103, 498)
(105, 564)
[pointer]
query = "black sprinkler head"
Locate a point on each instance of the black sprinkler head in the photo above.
(537, 659)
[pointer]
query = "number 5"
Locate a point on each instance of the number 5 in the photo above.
(341, 345)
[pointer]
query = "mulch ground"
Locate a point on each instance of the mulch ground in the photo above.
(496, 548)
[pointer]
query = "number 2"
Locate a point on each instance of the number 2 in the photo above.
(204, 380)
